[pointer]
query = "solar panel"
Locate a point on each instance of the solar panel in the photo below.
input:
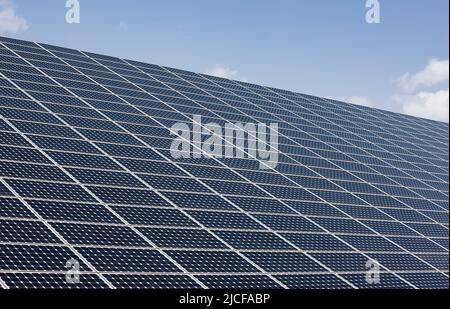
(358, 197)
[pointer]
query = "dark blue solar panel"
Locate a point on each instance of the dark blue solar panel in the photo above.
(51, 281)
(282, 262)
(326, 281)
(152, 282)
(128, 260)
(87, 174)
(36, 258)
(212, 262)
(239, 282)
(387, 281)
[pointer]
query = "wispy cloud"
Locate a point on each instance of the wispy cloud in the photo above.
(358, 100)
(436, 72)
(426, 104)
(224, 72)
(10, 22)
(431, 105)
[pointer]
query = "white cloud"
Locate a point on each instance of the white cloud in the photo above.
(434, 73)
(224, 72)
(9, 21)
(358, 100)
(431, 105)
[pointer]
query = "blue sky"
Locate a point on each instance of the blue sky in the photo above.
(319, 47)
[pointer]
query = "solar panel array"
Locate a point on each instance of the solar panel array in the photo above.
(87, 176)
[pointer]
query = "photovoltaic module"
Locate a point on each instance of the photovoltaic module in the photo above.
(92, 195)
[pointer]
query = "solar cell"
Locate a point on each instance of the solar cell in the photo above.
(152, 282)
(239, 282)
(50, 281)
(86, 173)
